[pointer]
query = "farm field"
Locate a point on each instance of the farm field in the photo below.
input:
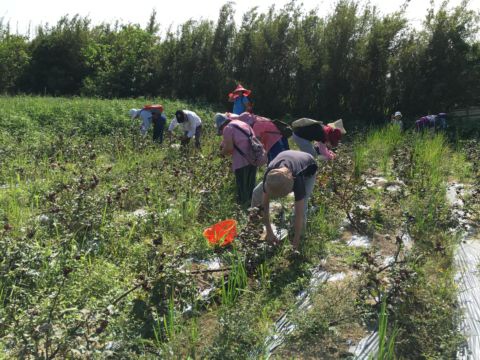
(102, 253)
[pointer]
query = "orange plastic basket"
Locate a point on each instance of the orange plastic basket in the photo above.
(222, 233)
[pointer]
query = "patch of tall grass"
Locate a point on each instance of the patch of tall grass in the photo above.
(376, 149)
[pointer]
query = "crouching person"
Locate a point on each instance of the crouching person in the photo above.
(151, 114)
(291, 170)
(266, 130)
(191, 124)
(236, 142)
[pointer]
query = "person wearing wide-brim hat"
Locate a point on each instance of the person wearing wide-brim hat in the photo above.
(290, 171)
(397, 119)
(265, 130)
(326, 137)
(241, 102)
(150, 114)
(236, 144)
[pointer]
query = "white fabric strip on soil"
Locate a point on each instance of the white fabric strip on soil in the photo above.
(359, 241)
(367, 347)
(283, 326)
(467, 261)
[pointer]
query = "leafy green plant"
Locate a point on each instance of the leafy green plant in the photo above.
(386, 343)
(236, 281)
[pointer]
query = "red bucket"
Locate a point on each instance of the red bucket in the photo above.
(222, 233)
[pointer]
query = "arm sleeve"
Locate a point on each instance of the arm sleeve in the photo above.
(323, 151)
(227, 135)
(173, 124)
(146, 121)
(191, 132)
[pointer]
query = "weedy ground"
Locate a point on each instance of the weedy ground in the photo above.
(102, 253)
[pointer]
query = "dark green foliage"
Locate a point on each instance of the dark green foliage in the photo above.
(354, 63)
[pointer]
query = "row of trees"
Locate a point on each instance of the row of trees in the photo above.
(353, 63)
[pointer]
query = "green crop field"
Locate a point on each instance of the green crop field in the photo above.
(102, 253)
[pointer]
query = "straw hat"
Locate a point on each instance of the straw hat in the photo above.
(241, 89)
(279, 182)
(338, 125)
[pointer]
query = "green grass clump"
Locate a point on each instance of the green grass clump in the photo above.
(101, 230)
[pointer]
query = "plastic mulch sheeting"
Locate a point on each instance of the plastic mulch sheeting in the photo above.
(467, 260)
(367, 347)
(283, 326)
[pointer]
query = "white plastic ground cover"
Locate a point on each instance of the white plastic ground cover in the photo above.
(283, 326)
(467, 261)
(367, 347)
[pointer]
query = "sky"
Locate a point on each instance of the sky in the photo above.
(25, 14)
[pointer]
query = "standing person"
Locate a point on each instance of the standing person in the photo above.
(236, 143)
(397, 119)
(191, 124)
(265, 129)
(290, 171)
(325, 136)
(241, 102)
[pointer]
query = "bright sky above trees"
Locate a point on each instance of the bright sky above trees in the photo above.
(24, 13)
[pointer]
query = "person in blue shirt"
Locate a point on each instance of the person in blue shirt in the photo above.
(241, 102)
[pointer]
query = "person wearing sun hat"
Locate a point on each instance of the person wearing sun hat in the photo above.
(397, 119)
(236, 144)
(291, 171)
(241, 102)
(266, 131)
(325, 137)
(151, 114)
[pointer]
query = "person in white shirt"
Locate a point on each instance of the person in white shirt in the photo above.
(146, 117)
(192, 126)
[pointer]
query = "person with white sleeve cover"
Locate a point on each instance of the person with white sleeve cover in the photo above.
(191, 124)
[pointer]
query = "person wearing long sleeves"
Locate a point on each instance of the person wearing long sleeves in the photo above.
(236, 144)
(151, 114)
(191, 124)
(264, 128)
(325, 137)
(241, 102)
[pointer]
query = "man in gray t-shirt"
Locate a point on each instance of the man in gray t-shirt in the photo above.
(290, 171)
